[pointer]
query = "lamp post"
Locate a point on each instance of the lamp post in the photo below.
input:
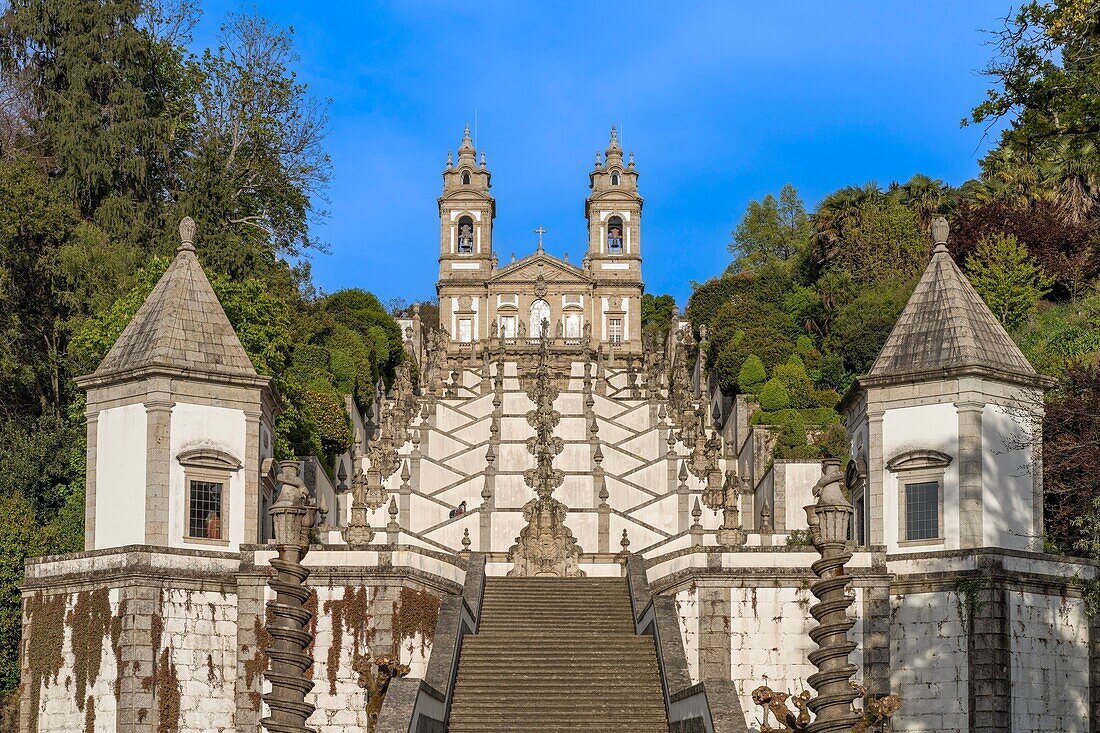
(293, 515)
(829, 519)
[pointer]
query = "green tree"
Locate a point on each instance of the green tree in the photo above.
(657, 314)
(107, 108)
(19, 539)
(258, 167)
(1007, 277)
(882, 242)
(771, 231)
(1046, 74)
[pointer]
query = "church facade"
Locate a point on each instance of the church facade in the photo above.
(598, 302)
(540, 440)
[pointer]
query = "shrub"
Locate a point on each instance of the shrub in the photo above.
(774, 396)
(752, 375)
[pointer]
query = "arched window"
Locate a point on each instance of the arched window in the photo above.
(615, 178)
(465, 178)
(615, 234)
(540, 314)
(465, 235)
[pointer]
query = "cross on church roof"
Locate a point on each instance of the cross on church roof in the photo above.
(540, 231)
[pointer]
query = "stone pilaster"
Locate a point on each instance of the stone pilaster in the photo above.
(158, 459)
(876, 639)
(970, 475)
(91, 463)
(715, 656)
(252, 476)
(1094, 673)
(875, 462)
(250, 675)
(988, 648)
(139, 646)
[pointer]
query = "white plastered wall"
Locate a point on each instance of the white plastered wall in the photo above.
(923, 427)
(1007, 480)
(120, 476)
(202, 426)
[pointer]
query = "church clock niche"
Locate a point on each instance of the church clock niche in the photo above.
(465, 235)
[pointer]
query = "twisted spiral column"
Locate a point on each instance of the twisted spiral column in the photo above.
(829, 521)
(290, 637)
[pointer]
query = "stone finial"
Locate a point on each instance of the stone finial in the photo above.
(466, 540)
(187, 235)
(631, 163)
(450, 160)
(483, 159)
(342, 474)
(940, 230)
(406, 474)
(625, 541)
(683, 475)
(696, 513)
(393, 509)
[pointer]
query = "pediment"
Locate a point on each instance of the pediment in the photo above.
(552, 270)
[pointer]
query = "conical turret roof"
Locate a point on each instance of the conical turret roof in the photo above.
(181, 326)
(946, 327)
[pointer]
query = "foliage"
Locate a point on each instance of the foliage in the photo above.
(771, 231)
(257, 166)
(862, 325)
(19, 539)
(1061, 335)
(1071, 454)
(881, 242)
(657, 314)
(1008, 278)
(1066, 250)
(774, 396)
(752, 375)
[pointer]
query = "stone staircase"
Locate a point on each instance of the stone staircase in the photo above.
(557, 655)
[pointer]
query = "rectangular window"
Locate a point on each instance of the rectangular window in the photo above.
(858, 520)
(465, 330)
(922, 510)
(204, 510)
(508, 327)
(615, 330)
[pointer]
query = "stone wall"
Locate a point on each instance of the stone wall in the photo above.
(146, 639)
(1049, 665)
(928, 645)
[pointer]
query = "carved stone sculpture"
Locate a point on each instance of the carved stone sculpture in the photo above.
(545, 546)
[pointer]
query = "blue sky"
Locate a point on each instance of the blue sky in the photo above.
(722, 103)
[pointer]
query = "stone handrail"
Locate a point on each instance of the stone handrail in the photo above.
(422, 706)
(710, 706)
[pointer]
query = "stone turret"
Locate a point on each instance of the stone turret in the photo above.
(178, 424)
(942, 424)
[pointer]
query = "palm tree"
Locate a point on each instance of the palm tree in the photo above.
(838, 211)
(927, 197)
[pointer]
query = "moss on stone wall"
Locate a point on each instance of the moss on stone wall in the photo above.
(90, 624)
(167, 691)
(414, 612)
(351, 615)
(89, 715)
(311, 606)
(45, 632)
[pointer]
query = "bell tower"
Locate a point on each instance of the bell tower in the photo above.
(614, 259)
(466, 258)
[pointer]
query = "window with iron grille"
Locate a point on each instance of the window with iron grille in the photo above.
(922, 510)
(204, 510)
